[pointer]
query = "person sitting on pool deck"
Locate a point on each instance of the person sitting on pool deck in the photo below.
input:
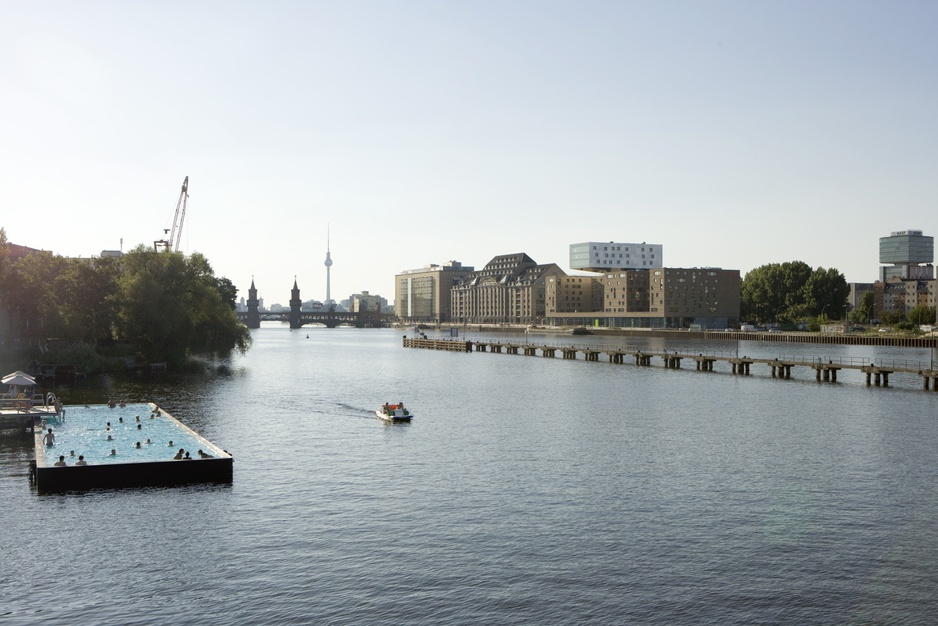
(81, 460)
(60, 462)
(205, 455)
(49, 438)
(179, 455)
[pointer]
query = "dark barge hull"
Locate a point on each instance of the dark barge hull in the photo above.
(117, 475)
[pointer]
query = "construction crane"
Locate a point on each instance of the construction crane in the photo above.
(175, 234)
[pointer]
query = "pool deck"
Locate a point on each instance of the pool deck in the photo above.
(23, 419)
(218, 469)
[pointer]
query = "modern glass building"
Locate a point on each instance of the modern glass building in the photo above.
(909, 253)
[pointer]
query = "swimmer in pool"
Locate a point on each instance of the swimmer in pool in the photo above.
(60, 462)
(139, 426)
(49, 438)
(137, 445)
(81, 460)
(187, 457)
(170, 443)
(179, 455)
(148, 441)
(113, 452)
(205, 455)
(71, 453)
(108, 426)
(138, 418)
(121, 420)
(109, 438)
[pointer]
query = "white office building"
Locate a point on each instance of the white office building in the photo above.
(602, 256)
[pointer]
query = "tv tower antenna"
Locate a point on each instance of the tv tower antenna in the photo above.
(328, 265)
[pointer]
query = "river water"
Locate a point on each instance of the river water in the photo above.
(526, 490)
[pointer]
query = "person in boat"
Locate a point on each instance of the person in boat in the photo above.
(49, 439)
(60, 462)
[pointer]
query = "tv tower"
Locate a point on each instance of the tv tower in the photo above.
(328, 264)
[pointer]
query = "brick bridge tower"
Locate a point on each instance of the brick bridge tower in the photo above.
(295, 305)
(254, 317)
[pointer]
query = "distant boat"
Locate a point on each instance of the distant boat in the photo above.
(394, 413)
(582, 331)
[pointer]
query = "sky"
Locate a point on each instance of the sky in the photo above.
(405, 133)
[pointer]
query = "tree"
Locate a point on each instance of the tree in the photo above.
(4, 262)
(31, 292)
(170, 306)
(787, 292)
(86, 291)
(863, 312)
(826, 292)
(921, 315)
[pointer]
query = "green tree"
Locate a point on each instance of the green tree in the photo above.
(863, 312)
(921, 315)
(170, 306)
(31, 290)
(4, 262)
(787, 292)
(86, 298)
(826, 292)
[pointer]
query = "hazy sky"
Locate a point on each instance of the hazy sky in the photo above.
(733, 133)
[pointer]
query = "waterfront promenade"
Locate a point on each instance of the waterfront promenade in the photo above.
(825, 370)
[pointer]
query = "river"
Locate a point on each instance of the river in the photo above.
(526, 490)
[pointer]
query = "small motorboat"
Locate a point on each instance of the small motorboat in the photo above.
(394, 413)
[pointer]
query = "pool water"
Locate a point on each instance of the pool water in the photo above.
(85, 431)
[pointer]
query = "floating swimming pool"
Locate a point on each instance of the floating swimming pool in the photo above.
(129, 445)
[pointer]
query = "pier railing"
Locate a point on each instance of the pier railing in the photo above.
(825, 368)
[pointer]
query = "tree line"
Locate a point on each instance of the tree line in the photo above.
(154, 306)
(794, 291)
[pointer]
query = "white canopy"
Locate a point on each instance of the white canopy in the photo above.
(18, 378)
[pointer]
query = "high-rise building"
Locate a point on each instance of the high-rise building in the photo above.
(423, 295)
(906, 254)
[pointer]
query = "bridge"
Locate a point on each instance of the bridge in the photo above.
(329, 318)
(297, 317)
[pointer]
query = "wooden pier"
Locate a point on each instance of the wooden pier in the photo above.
(780, 367)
